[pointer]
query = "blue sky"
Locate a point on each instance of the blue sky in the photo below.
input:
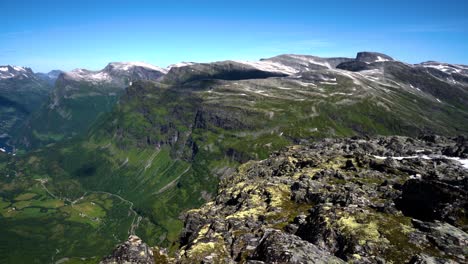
(65, 34)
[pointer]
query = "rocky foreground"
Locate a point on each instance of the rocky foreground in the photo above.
(381, 200)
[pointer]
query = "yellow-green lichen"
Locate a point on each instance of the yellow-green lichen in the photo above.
(253, 206)
(201, 210)
(242, 187)
(252, 212)
(405, 229)
(216, 250)
(292, 160)
(202, 249)
(202, 232)
(242, 169)
(279, 194)
(307, 171)
(363, 232)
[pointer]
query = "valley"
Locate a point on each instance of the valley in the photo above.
(110, 155)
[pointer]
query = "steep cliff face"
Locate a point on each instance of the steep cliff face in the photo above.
(393, 199)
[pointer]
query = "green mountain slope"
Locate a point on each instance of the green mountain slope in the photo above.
(21, 93)
(77, 100)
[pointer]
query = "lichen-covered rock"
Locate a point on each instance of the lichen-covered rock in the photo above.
(425, 259)
(338, 200)
(446, 237)
(433, 199)
(381, 200)
(280, 247)
(132, 251)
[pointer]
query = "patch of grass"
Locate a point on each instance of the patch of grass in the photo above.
(25, 196)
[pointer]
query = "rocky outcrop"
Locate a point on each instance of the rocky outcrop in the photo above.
(365, 61)
(132, 251)
(337, 201)
(381, 200)
(280, 247)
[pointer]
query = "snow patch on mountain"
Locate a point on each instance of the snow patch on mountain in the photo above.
(85, 75)
(350, 75)
(8, 71)
(463, 162)
(126, 66)
(110, 72)
(270, 66)
(17, 68)
(445, 67)
(380, 59)
(180, 64)
(311, 60)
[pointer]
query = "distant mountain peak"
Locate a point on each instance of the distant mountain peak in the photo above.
(308, 61)
(86, 75)
(445, 67)
(50, 76)
(371, 57)
(286, 64)
(11, 71)
(126, 66)
(270, 66)
(54, 73)
(117, 70)
(179, 64)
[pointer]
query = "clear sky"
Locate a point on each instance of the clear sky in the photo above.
(70, 34)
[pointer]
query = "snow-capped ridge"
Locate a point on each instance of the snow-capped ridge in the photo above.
(10, 71)
(270, 66)
(112, 71)
(86, 75)
(179, 64)
(445, 67)
(292, 64)
(305, 60)
(125, 66)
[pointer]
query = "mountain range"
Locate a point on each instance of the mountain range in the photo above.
(77, 99)
(21, 93)
(125, 150)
